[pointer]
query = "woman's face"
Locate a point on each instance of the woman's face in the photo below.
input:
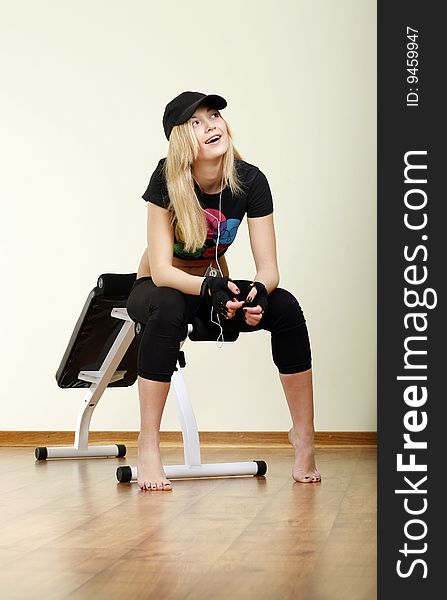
(211, 133)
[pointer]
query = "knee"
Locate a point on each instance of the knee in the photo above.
(285, 310)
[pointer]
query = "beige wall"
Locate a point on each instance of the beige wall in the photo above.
(83, 88)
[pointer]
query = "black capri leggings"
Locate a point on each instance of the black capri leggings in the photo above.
(166, 312)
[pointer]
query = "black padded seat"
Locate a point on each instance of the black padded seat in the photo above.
(209, 332)
(95, 332)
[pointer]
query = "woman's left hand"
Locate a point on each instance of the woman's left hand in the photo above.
(253, 314)
(257, 298)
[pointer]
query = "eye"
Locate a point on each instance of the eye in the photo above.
(195, 122)
(215, 114)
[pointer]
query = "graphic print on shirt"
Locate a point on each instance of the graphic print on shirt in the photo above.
(215, 220)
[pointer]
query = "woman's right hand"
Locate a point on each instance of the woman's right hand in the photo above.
(234, 304)
(219, 292)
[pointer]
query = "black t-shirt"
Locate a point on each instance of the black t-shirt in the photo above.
(255, 200)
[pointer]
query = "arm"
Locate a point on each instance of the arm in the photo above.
(261, 231)
(263, 245)
(160, 241)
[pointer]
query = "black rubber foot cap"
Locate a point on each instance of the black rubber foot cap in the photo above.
(41, 453)
(262, 468)
(121, 450)
(124, 474)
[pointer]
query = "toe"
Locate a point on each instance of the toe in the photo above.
(301, 477)
(316, 476)
(306, 476)
(167, 485)
(159, 485)
(305, 479)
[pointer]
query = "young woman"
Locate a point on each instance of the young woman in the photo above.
(196, 198)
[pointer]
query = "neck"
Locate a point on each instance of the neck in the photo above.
(208, 175)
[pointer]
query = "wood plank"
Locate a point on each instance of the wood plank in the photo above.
(168, 438)
(75, 532)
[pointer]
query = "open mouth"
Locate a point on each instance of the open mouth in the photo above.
(213, 140)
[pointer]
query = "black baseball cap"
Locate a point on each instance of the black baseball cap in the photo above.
(180, 109)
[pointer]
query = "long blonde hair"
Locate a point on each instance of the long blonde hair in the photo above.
(188, 218)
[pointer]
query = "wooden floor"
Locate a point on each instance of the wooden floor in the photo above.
(70, 530)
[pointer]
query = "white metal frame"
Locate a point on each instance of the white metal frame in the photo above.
(193, 466)
(99, 380)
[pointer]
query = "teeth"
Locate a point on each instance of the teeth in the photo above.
(213, 139)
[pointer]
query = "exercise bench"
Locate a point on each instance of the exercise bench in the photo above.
(102, 352)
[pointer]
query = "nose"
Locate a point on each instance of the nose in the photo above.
(210, 125)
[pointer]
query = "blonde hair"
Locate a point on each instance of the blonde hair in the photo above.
(188, 218)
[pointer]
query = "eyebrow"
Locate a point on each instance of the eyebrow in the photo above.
(194, 116)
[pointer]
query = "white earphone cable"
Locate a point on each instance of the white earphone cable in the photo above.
(217, 262)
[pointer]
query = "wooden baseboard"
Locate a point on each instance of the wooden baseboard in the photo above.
(174, 438)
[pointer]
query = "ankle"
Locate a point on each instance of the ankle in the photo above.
(151, 437)
(304, 437)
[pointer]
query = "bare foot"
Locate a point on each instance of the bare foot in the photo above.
(151, 475)
(304, 469)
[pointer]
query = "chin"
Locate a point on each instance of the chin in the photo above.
(215, 152)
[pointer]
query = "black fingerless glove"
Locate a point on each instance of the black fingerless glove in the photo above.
(215, 292)
(261, 298)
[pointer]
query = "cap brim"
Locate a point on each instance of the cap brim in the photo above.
(213, 99)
